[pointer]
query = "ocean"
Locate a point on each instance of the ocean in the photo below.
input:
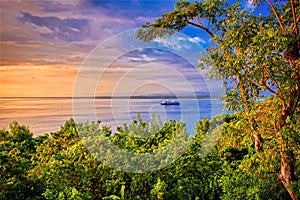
(45, 115)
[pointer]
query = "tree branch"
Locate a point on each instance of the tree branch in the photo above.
(203, 28)
(294, 17)
(269, 76)
(279, 93)
(295, 99)
(277, 16)
(297, 21)
(264, 86)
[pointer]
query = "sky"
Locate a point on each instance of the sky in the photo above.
(86, 48)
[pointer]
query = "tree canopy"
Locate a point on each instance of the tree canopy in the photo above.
(254, 55)
(59, 166)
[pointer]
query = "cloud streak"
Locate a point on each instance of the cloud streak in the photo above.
(44, 43)
(68, 30)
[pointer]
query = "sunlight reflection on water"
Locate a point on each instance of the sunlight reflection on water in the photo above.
(44, 115)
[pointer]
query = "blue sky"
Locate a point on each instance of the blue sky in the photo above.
(44, 43)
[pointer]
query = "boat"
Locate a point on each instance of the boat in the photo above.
(167, 102)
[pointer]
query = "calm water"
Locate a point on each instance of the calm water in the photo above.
(44, 115)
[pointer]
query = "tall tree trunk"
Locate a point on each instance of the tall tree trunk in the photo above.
(258, 141)
(287, 169)
(286, 174)
(252, 123)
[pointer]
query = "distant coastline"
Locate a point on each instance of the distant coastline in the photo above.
(118, 97)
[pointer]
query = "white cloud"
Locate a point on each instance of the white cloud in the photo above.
(197, 40)
(147, 58)
(194, 39)
(169, 43)
(250, 4)
(143, 58)
(42, 29)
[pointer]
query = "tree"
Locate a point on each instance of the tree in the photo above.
(254, 55)
(17, 148)
(60, 166)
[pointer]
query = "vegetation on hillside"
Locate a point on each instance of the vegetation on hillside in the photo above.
(252, 54)
(60, 166)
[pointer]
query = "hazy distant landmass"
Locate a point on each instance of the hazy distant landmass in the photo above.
(139, 95)
(122, 97)
(159, 97)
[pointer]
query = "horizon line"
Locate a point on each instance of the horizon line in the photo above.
(119, 97)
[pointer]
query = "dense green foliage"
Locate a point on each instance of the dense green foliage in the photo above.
(59, 166)
(254, 54)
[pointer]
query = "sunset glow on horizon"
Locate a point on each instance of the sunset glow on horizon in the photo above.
(45, 43)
